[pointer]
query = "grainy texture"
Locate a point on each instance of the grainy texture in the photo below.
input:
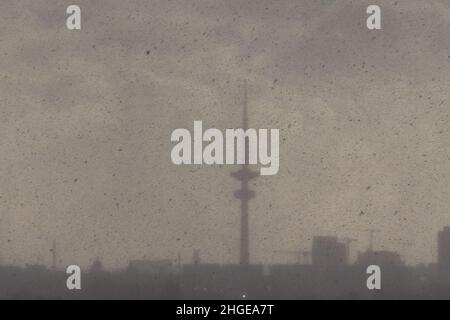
(86, 118)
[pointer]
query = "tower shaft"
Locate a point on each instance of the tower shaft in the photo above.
(244, 194)
(244, 250)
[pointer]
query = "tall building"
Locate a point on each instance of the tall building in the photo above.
(444, 250)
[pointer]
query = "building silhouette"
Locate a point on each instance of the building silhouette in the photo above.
(329, 276)
(444, 251)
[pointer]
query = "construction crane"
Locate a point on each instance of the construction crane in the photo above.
(406, 243)
(303, 257)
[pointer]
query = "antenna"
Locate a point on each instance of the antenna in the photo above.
(196, 257)
(53, 251)
(179, 260)
(347, 242)
(371, 232)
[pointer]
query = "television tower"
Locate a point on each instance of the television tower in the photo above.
(244, 194)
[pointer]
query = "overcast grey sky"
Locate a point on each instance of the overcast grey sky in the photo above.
(86, 118)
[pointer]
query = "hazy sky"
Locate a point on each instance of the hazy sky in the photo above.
(86, 118)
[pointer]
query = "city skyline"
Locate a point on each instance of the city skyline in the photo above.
(328, 275)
